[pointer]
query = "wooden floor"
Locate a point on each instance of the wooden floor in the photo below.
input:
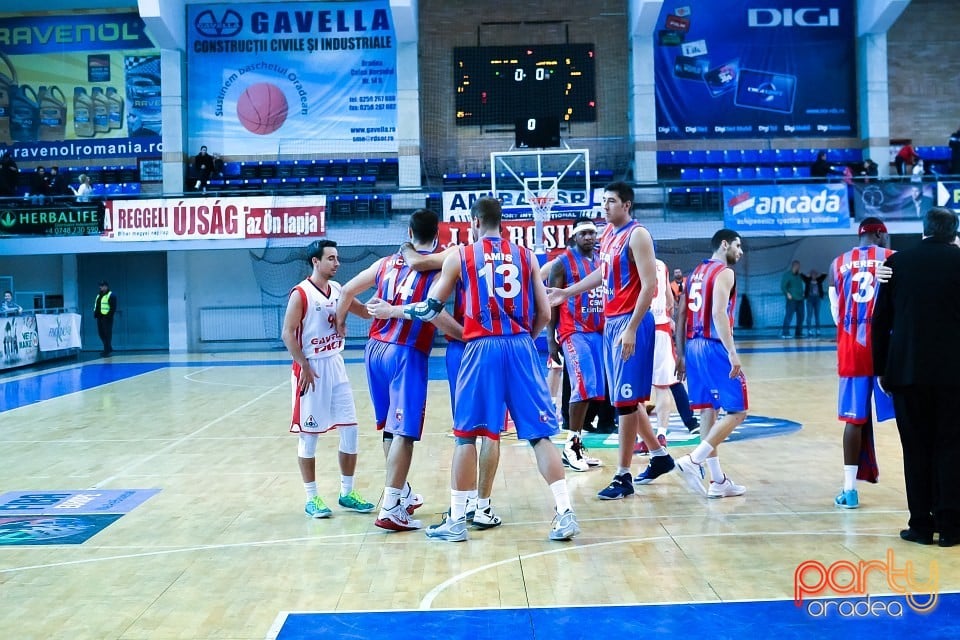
(223, 549)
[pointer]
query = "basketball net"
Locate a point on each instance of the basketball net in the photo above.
(541, 204)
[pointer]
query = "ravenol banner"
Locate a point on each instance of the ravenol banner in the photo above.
(78, 86)
(755, 69)
(775, 208)
(289, 79)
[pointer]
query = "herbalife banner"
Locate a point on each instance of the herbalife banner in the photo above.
(78, 87)
(776, 208)
(55, 219)
(271, 80)
(58, 331)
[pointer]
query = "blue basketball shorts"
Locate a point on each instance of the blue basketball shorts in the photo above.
(583, 357)
(500, 371)
(453, 357)
(708, 378)
(853, 402)
(629, 381)
(397, 378)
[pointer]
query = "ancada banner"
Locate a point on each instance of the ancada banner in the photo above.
(568, 203)
(556, 233)
(292, 78)
(238, 218)
(794, 207)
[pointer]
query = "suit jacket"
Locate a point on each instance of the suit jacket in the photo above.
(916, 321)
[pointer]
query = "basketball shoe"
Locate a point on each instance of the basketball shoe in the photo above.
(449, 529)
(397, 519)
(353, 502)
(317, 508)
(726, 489)
(565, 526)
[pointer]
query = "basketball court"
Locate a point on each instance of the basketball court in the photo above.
(155, 496)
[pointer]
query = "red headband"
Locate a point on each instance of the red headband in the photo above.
(874, 227)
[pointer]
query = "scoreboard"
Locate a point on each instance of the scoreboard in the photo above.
(499, 85)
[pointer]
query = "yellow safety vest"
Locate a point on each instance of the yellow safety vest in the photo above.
(104, 303)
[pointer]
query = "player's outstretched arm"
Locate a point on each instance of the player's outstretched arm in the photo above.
(440, 290)
(349, 292)
(593, 280)
(425, 262)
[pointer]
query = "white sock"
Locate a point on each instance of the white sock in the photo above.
(658, 452)
(849, 476)
(716, 473)
(391, 497)
(458, 504)
(703, 450)
(346, 485)
(482, 503)
(561, 496)
(310, 488)
(620, 471)
(473, 495)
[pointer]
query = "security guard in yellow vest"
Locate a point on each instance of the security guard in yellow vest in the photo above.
(103, 310)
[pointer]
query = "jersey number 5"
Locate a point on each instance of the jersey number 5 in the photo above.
(695, 297)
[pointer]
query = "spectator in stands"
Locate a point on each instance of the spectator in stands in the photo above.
(9, 175)
(8, 307)
(868, 171)
(813, 295)
(906, 155)
(57, 183)
(202, 169)
(791, 285)
(39, 186)
(84, 189)
(820, 167)
(955, 153)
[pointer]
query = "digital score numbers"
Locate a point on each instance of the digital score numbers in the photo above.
(498, 85)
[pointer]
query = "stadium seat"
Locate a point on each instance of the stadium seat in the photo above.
(713, 157)
(689, 174)
(783, 173)
(802, 171)
(728, 174)
(697, 158)
(733, 157)
(747, 173)
(804, 156)
(766, 173)
(709, 174)
(767, 156)
(750, 157)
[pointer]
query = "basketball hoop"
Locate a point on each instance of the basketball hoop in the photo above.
(541, 204)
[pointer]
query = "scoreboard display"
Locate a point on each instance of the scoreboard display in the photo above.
(499, 85)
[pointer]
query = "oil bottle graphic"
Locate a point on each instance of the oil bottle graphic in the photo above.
(82, 113)
(7, 82)
(115, 111)
(53, 113)
(101, 111)
(24, 114)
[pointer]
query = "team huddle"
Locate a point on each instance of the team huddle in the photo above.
(611, 315)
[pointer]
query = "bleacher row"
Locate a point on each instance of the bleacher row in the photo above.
(364, 175)
(712, 165)
(476, 181)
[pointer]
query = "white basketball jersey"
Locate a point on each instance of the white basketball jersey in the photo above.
(659, 305)
(318, 327)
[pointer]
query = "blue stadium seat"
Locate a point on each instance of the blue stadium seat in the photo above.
(751, 157)
(665, 158)
(728, 174)
(802, 171)
(681, 157)
(709, 174)
(804, 156)
(784, 156)
(689, 174)
(747, 173)
(849, 156)
(714, 157)
(766, 173)
(733, 157)
(697, 158)
(767, 156)
(783, 173)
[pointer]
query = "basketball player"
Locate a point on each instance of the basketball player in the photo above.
(577, 327)
(853, 292)
(322, 398)
(479, 509)
(396, 359)
(707, 354)
(664, 357)
(505, 307)
(628, 272)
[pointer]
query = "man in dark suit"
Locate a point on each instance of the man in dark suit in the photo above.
(916, 353)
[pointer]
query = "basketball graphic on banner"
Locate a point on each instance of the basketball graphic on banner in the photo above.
(262, 108)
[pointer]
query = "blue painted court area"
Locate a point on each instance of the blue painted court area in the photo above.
(47, 385)
(881, 617)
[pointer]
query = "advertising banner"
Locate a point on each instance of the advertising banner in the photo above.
(567, 204)
(755, 69)
(269, 79)
(55, 219)
(58, 331)
(556, 233)
(948, 195)
(20, 344)
(776, 208)
(233, 218)
(78, 86)
(893, 200)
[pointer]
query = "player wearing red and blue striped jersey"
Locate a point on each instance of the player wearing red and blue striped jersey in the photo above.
(576, 326)
(853, 294)
(628, 273)
(396, 359)
(505, 306)
(706, 353)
